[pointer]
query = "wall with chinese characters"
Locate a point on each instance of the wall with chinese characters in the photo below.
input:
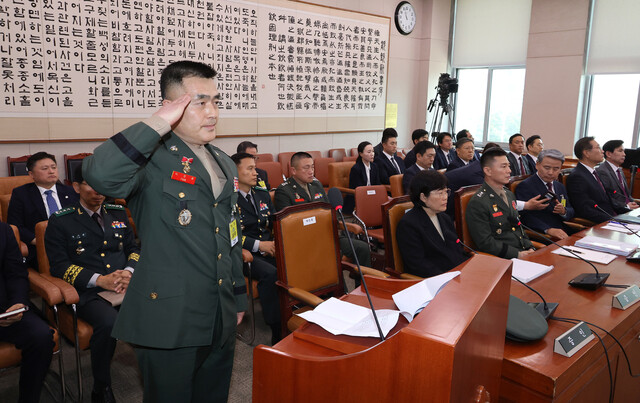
(82, 70)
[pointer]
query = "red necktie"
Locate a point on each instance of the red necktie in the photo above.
(599, 181)
(550, 187)
(522, 170)
(622, 185)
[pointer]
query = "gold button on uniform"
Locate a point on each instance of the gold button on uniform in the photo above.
(219, 257)
(217, 230)
(102, 254)
(108, 266)
(153, 295)
(105, 242)
(215, 204)
(220, 282)
(181, 195)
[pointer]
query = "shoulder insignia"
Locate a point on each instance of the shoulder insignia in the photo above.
(64, 211)
(113, 206)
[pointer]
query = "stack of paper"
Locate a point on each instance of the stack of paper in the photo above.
(616, 226)
(606, 245)
(526, 271)
(586, 254)
(412, 300)
(340, 317)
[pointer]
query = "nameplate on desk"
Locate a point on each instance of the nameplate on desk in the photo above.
(572, 340)
(624, 299)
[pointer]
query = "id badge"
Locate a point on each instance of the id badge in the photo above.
(233, 232)
(563, 201)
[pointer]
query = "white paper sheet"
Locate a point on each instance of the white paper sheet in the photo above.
(616, 226)
(412, 300)
(586, 254)
(526, 271)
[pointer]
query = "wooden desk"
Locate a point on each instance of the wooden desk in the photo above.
(452, 351)
(534, 373)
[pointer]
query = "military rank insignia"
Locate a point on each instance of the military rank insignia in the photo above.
(236, 185)
(118, 224)
(186, 164)
(317, 196)
(263, 206)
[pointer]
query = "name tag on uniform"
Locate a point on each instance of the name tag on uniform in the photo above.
(498, 214)
(233, 232)
(180, 177)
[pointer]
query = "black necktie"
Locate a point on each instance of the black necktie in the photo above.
(250, 200)
(98, 220)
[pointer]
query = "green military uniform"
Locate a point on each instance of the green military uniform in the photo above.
(494, 225)
(78, 250)
(290, 193)
(182, 301)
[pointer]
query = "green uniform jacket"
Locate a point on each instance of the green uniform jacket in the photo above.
(289, 193)
(493, 224)
(77, 248)
(186, 273)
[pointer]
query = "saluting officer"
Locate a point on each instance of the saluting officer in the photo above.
(255, 209)
(492, 214)
(188, 293)
(91, 246)
(302, 187)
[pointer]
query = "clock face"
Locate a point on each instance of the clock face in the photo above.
(405, 18)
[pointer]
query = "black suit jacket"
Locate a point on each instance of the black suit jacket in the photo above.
(611, 184)
(585, 191)
(471, 174)
(262, 176)
(408, 176)
(515, 166)
(386, 169)
(441, 161)
(531, 162)
(410, 158)
(541, 220)
(456, 163)
(424, 252)
(26, 208)
(14, 286)
(358, 175)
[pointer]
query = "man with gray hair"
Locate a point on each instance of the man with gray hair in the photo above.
(545, 184)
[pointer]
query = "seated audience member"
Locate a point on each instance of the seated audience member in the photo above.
(252, 148)
(26, 331)
(387, 161)
(551, 219)
(426, 236)
(35, 202)
(302, 188)
(91, 246)
(492, 215)
(255, 210)
(444, 152)
(534, 147)
(363, 173)
(464, 133)
(425, 152)
(417, 136)
(585, 187)
(518, 164)
(465, 151)
(612, 177)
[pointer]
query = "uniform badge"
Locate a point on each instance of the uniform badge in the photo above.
(317, 196)
(184, 218)
(298, 199)
(263, 206)
(79, 250)
(499, 231)
(186, 164)
(262, 184)
(118, 224)
(495, 207)
(513, 203)
(173, 148)
(236, 186)
(180, 177)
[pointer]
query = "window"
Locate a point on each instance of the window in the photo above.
(613, 108)
(489, 102)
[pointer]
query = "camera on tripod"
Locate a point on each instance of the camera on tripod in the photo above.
(446, 86)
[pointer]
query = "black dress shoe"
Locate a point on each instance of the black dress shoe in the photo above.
(104, 395)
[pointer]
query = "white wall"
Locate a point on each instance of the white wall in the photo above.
(415, 63)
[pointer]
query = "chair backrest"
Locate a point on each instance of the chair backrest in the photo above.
(337, 154)
(514, 181)
(322, 170)
(23, 247)
(8, 183)
(264, 157)
(395, 181)
(462, 198)
(17, 166)
(393, 211)
(353, 152)
(4, 206)
(368, 202)
(316, 270)
(274, 170)
(339, 174)
(569, 162)
(564, 175)
(315, 154)
(71, 162)
(284, 159)
(43, 260)
(353, 158)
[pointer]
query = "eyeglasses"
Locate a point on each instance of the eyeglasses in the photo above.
(442, 193)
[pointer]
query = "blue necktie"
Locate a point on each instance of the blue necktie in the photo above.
(51, 202)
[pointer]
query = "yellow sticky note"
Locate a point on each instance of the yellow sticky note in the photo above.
(391, 116)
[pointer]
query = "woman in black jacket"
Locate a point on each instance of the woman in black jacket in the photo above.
(363, 173)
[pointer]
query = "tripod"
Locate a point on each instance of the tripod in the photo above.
(442, 108)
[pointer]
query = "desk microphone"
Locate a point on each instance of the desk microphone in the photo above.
(335, 198)
(545, 309)
(585, 281)
(617, 221)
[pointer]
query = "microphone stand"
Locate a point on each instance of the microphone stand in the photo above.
(613, 219)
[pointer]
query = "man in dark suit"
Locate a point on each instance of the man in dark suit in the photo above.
(534, 147)
(35, 202)
(388, 162)
(252, 148)
(417, 136)
(92, 247)
(518, 165)
(425, 152)
(26, 330)
(545, 182)
(464, 154)
(612, 177)
(585, 187)
(255, 210)
(464, 133)
(444, 152)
